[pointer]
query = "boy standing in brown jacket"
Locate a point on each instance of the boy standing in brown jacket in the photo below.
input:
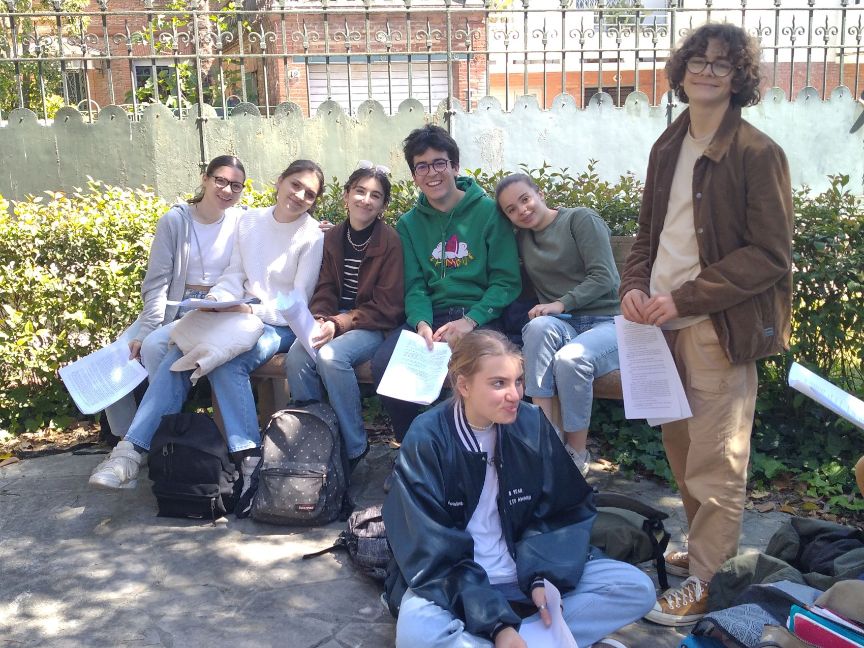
(712, 266)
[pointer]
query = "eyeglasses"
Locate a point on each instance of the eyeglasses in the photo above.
(380, 168)
(719, 67)
(422, 168)
(236, 187)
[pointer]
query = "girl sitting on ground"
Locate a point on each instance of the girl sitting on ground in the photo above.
(358, 300)
(485, 504)
(569, 339)
(276, 250)
(191, 248)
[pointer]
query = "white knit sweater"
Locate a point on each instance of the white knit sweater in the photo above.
(271, 258)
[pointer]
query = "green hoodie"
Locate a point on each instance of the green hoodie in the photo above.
(465, 258)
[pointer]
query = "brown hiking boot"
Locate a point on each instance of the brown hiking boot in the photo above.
(683, 605)
(678, 563)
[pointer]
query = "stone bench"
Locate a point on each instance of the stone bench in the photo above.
(272, 386)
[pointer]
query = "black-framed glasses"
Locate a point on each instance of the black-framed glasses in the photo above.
(422, 168)
(720, 67)
(236, 187)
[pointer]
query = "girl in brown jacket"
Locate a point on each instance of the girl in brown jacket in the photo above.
(358, 299)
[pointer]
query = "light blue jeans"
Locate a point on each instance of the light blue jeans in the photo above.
(153, 349)
(565, 357)
(335, 368)
(231, 387)
(610, 595)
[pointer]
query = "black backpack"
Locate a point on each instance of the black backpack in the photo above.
(365, 540)
(628, 529)
(192, 474)
(302, 479)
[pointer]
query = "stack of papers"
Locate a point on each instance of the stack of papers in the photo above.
(649, 380)
(557, 635)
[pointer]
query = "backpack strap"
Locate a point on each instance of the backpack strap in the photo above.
(341, 543)
(652, 526)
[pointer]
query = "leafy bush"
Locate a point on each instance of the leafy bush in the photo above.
(70, 275)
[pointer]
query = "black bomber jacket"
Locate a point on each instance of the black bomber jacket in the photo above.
(546, 507)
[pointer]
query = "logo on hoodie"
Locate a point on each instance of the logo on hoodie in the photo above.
(455, 253)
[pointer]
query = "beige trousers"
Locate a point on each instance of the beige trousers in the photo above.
(708, 453)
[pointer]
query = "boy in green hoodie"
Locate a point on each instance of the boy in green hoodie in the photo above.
(461, 262)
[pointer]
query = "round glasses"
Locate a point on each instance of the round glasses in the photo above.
(422, 168)
(719, 67)
(236, 187)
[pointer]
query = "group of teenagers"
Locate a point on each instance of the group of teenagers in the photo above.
(486, 503)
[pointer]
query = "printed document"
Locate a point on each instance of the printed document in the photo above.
(195, 304)
(650, 382)
(557, 635)
(103, 377)
(415, 373)
(824, 393)
(295, 311)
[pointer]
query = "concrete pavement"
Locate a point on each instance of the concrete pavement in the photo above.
(80, 567)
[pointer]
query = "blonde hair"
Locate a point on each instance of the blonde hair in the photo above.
(473, 348)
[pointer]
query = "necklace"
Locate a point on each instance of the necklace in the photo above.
(359, 248)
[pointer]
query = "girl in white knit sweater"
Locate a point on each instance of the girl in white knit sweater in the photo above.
(276, 249)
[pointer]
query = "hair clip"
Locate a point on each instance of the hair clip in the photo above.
(366, 164)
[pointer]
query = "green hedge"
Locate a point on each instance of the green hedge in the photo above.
(71, 268)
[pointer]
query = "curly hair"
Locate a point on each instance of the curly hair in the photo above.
(742, 51)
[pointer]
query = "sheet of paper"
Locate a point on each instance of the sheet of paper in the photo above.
(195, 304)
(824, 393)
(295, 311)
(557, 635)
(103, 377)
(415, 373)
(649, 380)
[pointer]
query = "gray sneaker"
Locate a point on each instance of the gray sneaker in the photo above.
(581, 459)
(119, 470)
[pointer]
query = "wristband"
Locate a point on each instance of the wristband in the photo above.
(470, 321)
(417, 328)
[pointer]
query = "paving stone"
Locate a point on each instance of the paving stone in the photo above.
(82, 567)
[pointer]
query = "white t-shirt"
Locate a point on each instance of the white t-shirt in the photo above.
(490, 548)
(677, 259)
(210, 249)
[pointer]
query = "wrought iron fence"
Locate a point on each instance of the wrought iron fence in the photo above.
(258, 55)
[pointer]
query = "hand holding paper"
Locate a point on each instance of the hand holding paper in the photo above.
(649, 379)
(415, 373)
(103, 377)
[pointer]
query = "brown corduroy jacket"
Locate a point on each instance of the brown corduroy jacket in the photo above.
(742, 212)
(380, 301)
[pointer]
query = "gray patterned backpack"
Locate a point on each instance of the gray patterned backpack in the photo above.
(302, 479)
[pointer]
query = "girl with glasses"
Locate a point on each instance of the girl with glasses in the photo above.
(191, 248)
(359, 298)
(276, 250)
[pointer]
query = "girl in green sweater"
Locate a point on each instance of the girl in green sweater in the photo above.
(570, 337)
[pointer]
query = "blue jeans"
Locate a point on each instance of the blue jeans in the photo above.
(231, 387)
(154, 347)
(334, 367)
(565, 357)
(609, 595)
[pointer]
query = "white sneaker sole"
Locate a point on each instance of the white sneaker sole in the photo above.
(104, 484)
(675, 570)
(672, 620)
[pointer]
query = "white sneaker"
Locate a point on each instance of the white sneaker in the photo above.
(581, 459)
(119, 470)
